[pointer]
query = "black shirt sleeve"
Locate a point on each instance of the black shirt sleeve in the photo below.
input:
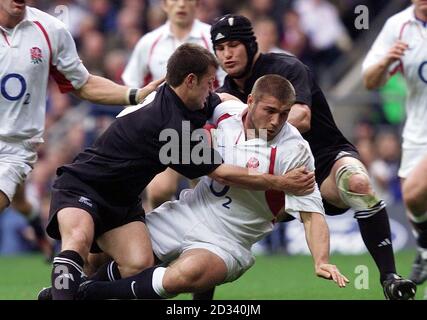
(211, 102)
(300, 78)
(222, 89)
(201, 166)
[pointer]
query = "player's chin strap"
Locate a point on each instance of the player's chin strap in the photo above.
(364, 205)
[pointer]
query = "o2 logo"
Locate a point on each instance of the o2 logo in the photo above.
(17, 82)
(422, 72)
(221, 193)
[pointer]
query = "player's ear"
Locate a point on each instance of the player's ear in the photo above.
(190, 80)
(250, 101)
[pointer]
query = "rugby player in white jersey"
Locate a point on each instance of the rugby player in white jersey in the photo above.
(34, 45)
(402, 46)
(207, 234)
(148, 62)
(342, 179)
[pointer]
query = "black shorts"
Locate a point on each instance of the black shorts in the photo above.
(324, 162)
(70, 192)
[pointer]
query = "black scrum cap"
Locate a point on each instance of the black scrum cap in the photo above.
(235, 27)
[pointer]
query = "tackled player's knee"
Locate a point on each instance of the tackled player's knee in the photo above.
(188, 278)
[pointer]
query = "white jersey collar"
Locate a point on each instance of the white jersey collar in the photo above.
(194, 33)
(9, 31)
(258, 141)
(413, 19)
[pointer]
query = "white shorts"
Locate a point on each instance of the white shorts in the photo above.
(16, 162)
(174, 228)
(411, 157)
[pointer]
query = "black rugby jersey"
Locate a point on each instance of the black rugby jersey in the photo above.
(324, 135)
(125, 158)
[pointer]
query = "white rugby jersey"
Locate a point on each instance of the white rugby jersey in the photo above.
(245, 215)
(413, 65)
(150, 56)
(37, 47)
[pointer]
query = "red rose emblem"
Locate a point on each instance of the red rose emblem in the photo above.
(36, 55)
(252, 163)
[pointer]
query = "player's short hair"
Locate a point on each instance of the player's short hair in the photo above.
(275, 86)
(189, 58)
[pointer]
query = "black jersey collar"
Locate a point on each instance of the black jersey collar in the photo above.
(197, 117)
(249, 83)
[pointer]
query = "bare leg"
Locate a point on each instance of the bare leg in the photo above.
(129, 246)
(196, 270)
(77, 231)
(414, 189)
(21, 204)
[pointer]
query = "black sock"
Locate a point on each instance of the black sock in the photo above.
(376, 235)
(36, 224)
(135, 287)
(421, 230)
(107, 272)
(66, 275)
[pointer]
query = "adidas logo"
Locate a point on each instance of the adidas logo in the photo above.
(219, 36)
(385, 242)
(86, 201)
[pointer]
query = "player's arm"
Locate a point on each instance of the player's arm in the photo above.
(89, 87)
(298, 181)
(103, 91)
(226, 96)
(300, 117)
(317, 236)
(249, 179)
(377, 75)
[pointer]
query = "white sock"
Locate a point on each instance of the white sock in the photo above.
(157, 283)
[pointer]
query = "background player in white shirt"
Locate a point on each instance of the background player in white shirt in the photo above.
(148, 62)
(402, 46)
(34, 45)
(207, 235)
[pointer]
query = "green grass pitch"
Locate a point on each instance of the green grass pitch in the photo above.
(272, 277)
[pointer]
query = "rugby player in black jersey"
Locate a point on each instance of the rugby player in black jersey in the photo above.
(96, 201)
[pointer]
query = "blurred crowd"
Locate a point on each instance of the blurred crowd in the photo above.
(106, 31)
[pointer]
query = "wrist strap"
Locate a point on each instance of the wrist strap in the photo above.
(132, 96)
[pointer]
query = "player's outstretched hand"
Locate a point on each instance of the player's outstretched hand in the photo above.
(299, 181)
(331, 272)
(145, 91)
